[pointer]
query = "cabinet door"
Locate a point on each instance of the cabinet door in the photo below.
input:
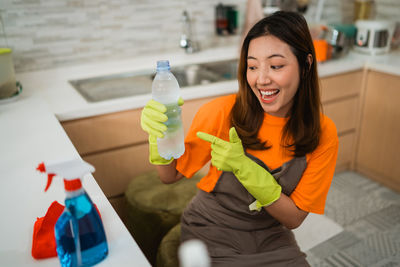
(340, 96)
(343, 113)
(104, 132)
(340, 86)
(345, 153)
(378, 154)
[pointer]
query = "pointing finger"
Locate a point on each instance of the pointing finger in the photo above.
(207, 137)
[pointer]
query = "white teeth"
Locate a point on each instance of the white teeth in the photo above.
(268, 93)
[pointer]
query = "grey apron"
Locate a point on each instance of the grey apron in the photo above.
(236, 236)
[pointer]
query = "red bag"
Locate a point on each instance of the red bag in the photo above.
(44, 241)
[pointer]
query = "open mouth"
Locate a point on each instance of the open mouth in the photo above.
(267, 96)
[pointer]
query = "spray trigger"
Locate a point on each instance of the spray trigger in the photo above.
(50, 177)
(42, 168)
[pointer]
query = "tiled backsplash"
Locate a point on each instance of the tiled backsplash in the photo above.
(47, 34)
(343, 10)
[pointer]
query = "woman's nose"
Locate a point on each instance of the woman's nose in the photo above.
(263, 77)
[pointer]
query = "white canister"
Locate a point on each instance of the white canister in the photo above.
(8, 85)
(373, 36)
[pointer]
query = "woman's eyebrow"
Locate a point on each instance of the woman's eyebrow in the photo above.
(276, 55)
(271, 56)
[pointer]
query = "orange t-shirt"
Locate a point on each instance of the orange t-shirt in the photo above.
(213, 118)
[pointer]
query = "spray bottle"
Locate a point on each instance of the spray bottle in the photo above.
(79, 231)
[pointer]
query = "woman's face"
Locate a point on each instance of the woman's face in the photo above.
(273, 74)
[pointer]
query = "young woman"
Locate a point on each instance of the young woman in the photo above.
(272, 151)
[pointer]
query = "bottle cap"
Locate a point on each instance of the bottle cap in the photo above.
(163, 65)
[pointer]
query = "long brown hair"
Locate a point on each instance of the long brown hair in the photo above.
(302, 130)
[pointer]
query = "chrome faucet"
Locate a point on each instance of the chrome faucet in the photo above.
(187, 41)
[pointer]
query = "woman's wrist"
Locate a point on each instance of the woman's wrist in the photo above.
(168, 173)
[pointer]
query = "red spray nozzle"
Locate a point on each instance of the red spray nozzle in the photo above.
(42, 168)
(71, 170)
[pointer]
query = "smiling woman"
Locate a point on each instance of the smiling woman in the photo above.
(273, 74)
(283, 49)
(272, 153)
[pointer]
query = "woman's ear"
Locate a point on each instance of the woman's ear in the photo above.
(309, 61)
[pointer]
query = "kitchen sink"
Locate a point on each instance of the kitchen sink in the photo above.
(138, 83)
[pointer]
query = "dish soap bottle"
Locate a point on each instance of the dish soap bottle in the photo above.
(165, 89)
(79, 231)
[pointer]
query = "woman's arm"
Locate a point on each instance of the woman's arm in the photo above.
(286, 212)
(310, 193)
(168, 173)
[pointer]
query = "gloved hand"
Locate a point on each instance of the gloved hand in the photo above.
(230, 157)
(152, 121)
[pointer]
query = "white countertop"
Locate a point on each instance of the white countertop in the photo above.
(30, 134)
(67, 104)
(387, 63)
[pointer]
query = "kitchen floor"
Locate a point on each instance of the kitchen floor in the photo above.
(370, 216)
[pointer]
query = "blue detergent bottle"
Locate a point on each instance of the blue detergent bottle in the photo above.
(79, 231)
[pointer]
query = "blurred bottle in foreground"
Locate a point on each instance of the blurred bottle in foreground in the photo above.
(193, 253)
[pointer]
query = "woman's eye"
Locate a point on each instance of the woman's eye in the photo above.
(252, 68)
(276, 67)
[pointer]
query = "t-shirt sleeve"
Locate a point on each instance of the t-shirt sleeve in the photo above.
(211, 119)
(312, 190)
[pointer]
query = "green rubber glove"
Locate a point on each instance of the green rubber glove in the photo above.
(152, 121)
(230, 157)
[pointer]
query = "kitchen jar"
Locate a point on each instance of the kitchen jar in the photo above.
(340, 37)
(8, 86)
(373, 36)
